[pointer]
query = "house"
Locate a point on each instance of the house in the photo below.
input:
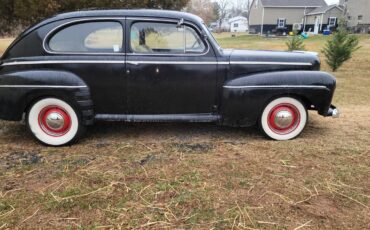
(321, 18)
(238, 24)
(357, 13)
(220, 27)
(282, 16)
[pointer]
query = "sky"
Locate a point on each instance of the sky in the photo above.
(328, 1)
(332, 1)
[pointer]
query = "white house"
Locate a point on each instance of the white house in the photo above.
(225, 26)
(238, 24)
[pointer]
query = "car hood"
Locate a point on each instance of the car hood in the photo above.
(252, 61)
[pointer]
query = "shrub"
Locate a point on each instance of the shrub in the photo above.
(295, 43)
(340, 47)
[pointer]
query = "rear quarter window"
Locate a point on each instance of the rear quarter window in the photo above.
(88, 37)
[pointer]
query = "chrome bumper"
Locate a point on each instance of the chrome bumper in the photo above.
(333, 112)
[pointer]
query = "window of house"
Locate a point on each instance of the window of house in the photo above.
(89, 37)
(332, 21)
(281, 22)
(165, 38)
(236, 25)
(360, 17)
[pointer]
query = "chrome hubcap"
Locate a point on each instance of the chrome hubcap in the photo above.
(55, 121)
(283, 119)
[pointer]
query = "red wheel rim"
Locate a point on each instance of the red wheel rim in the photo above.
(283, 119)
(54, 121)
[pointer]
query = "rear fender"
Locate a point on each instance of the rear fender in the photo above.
(244, 98)
(20, 89)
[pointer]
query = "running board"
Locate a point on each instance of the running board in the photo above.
(159, 118)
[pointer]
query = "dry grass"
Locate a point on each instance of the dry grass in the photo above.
(198, 176)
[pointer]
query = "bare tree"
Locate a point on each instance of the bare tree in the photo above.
(223, 9)
(241, 8)
(203, 8)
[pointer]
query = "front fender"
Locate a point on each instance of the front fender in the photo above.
(19, 89)
(245, 97)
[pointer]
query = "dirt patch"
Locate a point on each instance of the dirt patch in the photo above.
(321, 207)
(149, 158)
(195, 148)
(15, 159)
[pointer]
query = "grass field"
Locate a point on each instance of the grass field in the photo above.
(198, 176)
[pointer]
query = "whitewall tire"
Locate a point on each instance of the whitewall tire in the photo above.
(53, 122)
(284, 119)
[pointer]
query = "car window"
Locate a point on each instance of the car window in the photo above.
(89, 37)
(167, 38)
(194, 43)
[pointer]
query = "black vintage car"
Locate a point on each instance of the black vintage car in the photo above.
(68, 71)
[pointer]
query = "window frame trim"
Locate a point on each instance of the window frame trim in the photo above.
(55, 30)
(335, 21)
(284, 22)
(130, 52)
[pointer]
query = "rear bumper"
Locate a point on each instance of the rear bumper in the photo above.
(333, 112)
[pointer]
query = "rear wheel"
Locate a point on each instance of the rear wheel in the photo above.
(54, 122)
(284, 118)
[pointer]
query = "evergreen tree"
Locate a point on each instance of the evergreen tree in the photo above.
(295, 43)
(340, 47)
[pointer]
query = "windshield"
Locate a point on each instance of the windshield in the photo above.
(211, 37)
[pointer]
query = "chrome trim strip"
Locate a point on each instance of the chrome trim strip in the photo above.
(150, 18)
(61, 62)
(173, 62)
(43, 86)
(82, 20)
(277, 86)
(112, 62)
(269, 63)
(148, 62)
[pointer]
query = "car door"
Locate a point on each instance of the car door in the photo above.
(171, 69)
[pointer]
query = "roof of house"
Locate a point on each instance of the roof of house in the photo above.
(237, 18)
(293, 3)
(323, 9)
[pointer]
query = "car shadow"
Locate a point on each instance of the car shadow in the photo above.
(14, 132)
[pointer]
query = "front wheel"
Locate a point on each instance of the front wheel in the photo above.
(284, 119)
(54, 122)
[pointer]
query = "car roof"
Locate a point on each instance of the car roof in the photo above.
(126, 13)
(116, 13)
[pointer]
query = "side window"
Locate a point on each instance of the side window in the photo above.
(164, 38)
(89, 37)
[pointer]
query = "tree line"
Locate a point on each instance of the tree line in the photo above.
(17, 14)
